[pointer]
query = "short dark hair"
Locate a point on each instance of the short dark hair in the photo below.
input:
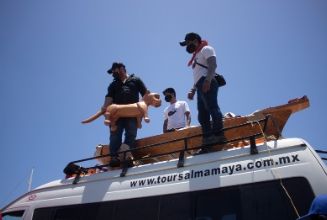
(169, 90)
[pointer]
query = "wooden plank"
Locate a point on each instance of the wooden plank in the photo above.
(279, 116)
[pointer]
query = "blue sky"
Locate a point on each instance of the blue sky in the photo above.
(54, 56)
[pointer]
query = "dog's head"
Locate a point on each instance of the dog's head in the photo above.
(152, 99)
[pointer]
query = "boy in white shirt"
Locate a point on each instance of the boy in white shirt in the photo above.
(177, 115)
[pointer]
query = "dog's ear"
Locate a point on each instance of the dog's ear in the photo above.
(157, 96)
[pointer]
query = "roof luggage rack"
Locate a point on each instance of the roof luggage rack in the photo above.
(74, 170)
(322, 152)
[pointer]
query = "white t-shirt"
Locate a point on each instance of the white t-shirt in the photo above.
(175, 113)
(201, 57)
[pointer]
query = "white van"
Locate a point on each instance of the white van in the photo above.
(277, 183)
(255, 175)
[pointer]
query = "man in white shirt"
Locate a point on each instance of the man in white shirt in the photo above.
(203, 63)
(177, 115)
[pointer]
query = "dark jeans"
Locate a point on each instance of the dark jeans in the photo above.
(208, 106)
(130, 127)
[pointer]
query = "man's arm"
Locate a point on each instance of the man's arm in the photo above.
(147, 92)
(164, 127)
(108, 101)
(191, 93)
(188, 118)
(212, 65)
(141, 87)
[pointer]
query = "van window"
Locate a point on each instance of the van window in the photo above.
(263, 200)
(145, 209)
(105, 211)
(256, 201)
(96, 211)
(17, 215)
(43, 213)
(176, 206)
(218, 204)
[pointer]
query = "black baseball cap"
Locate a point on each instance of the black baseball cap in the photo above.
(169, 90)
(190, 37)
(114, 66)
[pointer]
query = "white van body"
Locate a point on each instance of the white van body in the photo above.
(277, 183)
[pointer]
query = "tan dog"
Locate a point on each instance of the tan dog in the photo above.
(138, 110)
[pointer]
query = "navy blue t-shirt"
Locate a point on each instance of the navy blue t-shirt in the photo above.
(128, 92)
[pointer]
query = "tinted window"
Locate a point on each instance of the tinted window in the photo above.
(105, 211)
(301, 193)
(144, 208)
(265, 200)
(17, 215)
(94, 211)
(43, 213)
(69, 213)
(176, 207)
(218, 204)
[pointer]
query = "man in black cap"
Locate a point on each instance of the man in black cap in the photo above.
(124, 89)
(203, 63)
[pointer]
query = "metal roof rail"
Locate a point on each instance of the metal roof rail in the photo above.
(72, 169)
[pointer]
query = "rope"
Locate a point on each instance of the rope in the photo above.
(275, 173)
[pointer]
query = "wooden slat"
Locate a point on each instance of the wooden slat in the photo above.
(279, 116)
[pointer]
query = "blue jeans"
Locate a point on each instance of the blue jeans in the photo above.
(130, 127)
(208, 106)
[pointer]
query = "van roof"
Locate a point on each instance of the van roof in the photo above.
(282, 148)
(233, 153)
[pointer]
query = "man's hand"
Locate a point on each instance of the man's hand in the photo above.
(191, 94)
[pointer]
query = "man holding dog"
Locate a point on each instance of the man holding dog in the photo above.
(124, 89)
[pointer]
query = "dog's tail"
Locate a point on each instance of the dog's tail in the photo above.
(93, 117)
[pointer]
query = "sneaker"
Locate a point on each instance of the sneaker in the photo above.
(202, 151)
(129, 163)
(114, 162)
(214, 139)
(208, 140)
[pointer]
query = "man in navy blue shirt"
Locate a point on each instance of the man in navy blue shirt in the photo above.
(124, 89)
